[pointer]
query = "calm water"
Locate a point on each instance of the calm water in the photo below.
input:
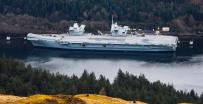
(183, 69)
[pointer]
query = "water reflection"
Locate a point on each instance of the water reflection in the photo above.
(150, 57)
(183, 68)
(183, 75)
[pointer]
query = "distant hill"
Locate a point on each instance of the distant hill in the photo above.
(180, 15)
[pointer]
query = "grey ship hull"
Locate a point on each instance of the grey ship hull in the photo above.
(102, 47)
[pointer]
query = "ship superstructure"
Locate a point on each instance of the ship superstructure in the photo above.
(76, 29)
(118, 40)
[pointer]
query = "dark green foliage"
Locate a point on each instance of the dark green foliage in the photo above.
(150, 12)
(19, 79)
(136, 10)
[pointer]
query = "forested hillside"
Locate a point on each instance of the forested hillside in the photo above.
(180, 15)
(18, 79)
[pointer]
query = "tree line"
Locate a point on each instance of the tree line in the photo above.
(19, 79)
(181, 15)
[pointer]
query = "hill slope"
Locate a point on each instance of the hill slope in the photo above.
(180, 15)
(9, 99)
(64, 99)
